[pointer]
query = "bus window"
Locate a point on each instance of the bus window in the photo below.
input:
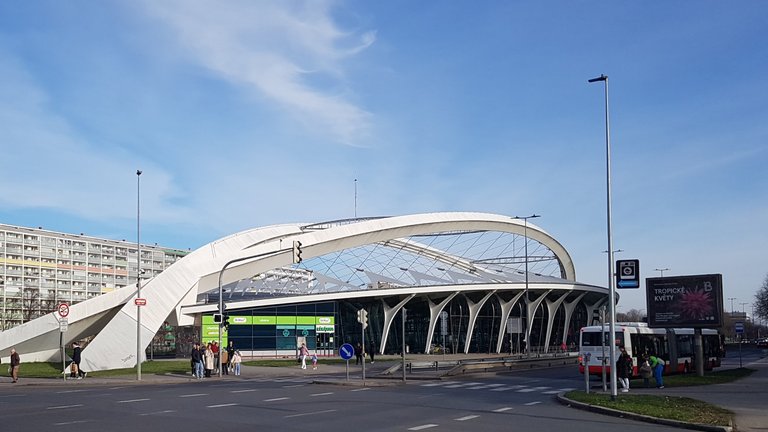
(593, 339)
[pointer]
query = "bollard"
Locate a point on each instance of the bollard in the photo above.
(586, 357)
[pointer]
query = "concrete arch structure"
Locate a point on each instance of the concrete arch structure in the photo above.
(266, 253)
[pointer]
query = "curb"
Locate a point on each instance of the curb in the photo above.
(644, 418)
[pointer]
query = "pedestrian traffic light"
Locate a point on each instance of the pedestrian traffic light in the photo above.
(362, 317)
(296, 252)
(217, 317)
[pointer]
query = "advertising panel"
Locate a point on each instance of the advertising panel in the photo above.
(685, 301)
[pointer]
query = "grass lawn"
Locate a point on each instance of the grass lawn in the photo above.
(670, 407)
(666, 407)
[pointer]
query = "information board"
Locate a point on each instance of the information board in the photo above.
(685, 301)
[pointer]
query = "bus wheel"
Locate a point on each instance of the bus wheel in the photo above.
(687, 367)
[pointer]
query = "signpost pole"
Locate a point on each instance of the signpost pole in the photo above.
(586, 372)
(698, 350)
(403, 350)
(347, 369)
(63, 360)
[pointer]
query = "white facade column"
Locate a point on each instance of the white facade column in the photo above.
(474, 311)
(389, 316)
(569, 307)
(506, 309)
(552, 307)
(434, 312)
(531, 314)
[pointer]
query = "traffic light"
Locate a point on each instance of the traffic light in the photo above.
(217, 317)
(362, 317)
(296, 251)
(225, 321)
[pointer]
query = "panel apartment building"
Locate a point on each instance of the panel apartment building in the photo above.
(40, 269)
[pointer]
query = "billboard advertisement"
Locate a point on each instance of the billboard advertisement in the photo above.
(685, 301)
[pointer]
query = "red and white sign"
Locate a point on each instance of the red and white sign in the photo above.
(63, 310)
(140, 302)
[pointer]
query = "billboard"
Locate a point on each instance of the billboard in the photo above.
(685, 301)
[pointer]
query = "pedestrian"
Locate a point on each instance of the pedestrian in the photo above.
(563, 347)
(14, 366)
(197, 361)
(236, 360)
(657, 364)
(303, 353)
(646, 372)
(359, 354)
(208, 360)
(215, 350)
(225, 362)
(231, 350)
(314, 361)
(372, 352)
(76, 357)
(624, 369)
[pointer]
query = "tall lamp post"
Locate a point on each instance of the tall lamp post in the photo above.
(662, 270)
(611, 285)
(138, 274)
(528, 320)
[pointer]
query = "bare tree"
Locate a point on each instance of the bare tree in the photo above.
(761, 300)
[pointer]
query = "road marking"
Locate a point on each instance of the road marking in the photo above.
(64, 406)
(276, 399)
(495, 385)
(426, 426)
(158, 412)
(465, 418)
(532, 389)
(480, 387)
(221, 405)
(310, 413)
(132, 400)
(532, 403)
(70, 391)
(503, 409)
(293, 386)
(362, 389)
(72, 422)
(244, 391)
(193, 395)
(432, 384)
(322, 394)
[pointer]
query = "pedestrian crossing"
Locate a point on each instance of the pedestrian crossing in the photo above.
(498, 387)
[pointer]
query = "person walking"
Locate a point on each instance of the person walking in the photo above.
(657, 364)
(372, 352)
(303, 352)
(76, 357)
(359, 354)
(14, 366)
(197, 361)
(624, 369)
(236, 360)
(314, 361)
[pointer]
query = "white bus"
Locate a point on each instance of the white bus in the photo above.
(674, 345)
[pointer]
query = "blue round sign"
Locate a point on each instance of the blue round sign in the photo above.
(347, 351)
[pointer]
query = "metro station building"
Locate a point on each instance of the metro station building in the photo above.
(459, 278)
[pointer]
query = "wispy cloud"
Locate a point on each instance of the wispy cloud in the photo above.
(281, 50)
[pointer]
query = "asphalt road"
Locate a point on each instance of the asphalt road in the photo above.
(520, 401)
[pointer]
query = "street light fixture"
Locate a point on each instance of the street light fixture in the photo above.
(528, 320)
(662, 271)
(138, 274)
(611, 286)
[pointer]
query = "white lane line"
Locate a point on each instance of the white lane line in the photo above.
(503, 409)
(425, 426)
(495, 385)
(276, 399)
(221, 405)
(244, 391)
(64, 406)
(551, 392)
(116, 388)
(294, 385)
(72, 422)
(465, 418)
(362, 389)
(158, 412)
(310, 413)
(432, 384)
(193, 395)
(322, 394)
(132, 400)
(532, 403)
(70, 391)
(480, 387)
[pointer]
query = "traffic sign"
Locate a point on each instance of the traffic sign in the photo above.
(63, 310)
(346, 351)
(628, 273)
(739, 327)
(63, 325)
(140, 302)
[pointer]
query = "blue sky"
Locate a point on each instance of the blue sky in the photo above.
(251, 113)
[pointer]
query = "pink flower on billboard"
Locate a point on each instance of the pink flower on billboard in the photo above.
(696, 304)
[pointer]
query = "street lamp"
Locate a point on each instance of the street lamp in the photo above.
(138, 274)
(611, 287)
(731, 299)
(528, 320)
(662, 271)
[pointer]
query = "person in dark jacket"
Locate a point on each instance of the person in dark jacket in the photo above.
(15, 362)
(624, 369)
(197, 361)
(359, 354)
(76, 357)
